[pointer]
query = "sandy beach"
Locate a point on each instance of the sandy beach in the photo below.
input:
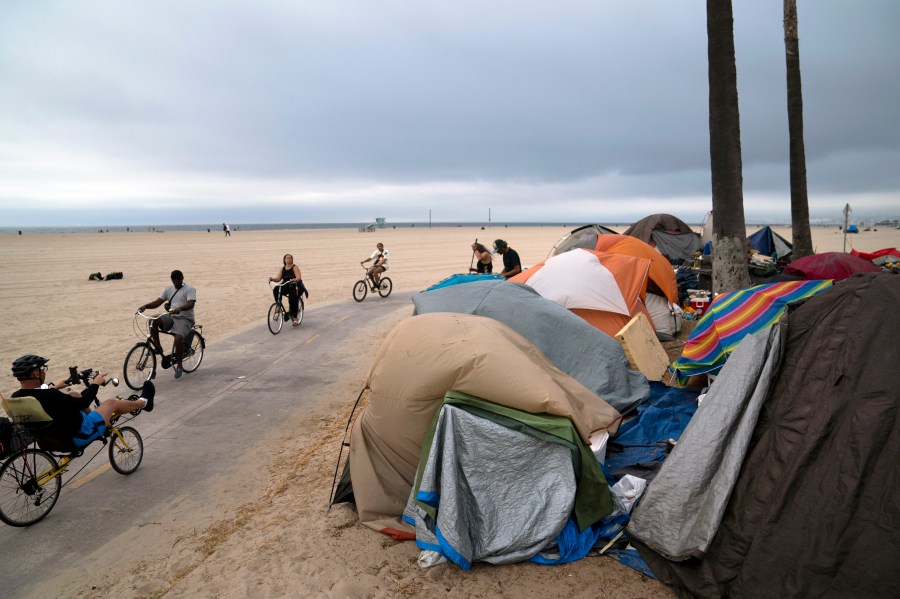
(52, 309)
(271, 536)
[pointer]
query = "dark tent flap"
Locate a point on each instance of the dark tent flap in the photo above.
(815, 508)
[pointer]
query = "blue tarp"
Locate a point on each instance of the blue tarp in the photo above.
(461, 278)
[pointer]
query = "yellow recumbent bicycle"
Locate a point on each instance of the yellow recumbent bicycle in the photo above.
(31, 477)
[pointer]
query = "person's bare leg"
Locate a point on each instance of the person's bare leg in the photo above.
(111, 407)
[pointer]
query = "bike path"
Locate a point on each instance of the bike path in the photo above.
(196, 441)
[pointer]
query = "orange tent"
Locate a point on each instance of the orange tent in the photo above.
(604, 289)
(661, 272)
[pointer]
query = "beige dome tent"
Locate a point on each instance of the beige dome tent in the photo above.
(422, 359)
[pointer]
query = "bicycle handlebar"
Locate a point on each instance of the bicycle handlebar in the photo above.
(274, 284)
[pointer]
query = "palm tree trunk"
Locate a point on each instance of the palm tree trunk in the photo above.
(802, 238)
(729, 267)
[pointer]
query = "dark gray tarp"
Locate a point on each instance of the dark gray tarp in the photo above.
(677, 247)
(585, 353)
(815, 511)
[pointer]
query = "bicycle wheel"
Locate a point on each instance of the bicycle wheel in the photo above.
(140, 366)
(385, 286)
(27, 491)
(276, 318)
(300, 311)
(360, 290)
(194, 344)
(127, 451)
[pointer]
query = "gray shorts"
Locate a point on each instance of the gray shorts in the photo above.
(174, 325)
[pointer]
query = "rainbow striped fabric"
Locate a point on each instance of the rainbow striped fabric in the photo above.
(734, 315)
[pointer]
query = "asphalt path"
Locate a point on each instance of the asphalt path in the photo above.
(195, 442)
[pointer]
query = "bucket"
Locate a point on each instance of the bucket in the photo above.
(700, 305)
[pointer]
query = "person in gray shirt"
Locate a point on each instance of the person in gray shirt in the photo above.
(179, 299)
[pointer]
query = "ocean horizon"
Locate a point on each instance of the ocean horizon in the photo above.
(236, 227)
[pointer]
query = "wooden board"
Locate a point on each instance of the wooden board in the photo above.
(644, 351)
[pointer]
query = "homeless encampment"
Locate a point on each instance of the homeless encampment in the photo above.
(585, 353)
(425, 357)
(803, 500)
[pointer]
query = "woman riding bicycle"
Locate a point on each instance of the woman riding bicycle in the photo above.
(71, 412)
(290, 272)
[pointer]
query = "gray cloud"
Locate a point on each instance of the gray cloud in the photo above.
(540, 109)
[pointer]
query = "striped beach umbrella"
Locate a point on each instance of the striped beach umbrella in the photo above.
(731, 317)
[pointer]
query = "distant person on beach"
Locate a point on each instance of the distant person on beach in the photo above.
(227, 229)
(485, 262)
(178, 320)
(71, 412)
(380, 256)
(290, 272)
(511, 263)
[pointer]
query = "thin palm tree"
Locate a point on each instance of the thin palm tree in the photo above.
(729, 235)
(802, 238)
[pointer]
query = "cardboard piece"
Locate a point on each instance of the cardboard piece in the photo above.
(644, 351)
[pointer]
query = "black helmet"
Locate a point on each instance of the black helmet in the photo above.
(22, 367)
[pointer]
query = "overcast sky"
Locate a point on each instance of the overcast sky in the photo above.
(203, 111)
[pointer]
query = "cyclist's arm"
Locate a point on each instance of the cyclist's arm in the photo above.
(189, 305)
(296, 272)
(154, 304)
(369, 259)
(277, 277)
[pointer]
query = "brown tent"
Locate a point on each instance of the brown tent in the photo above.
(643, 229)
(423, 358)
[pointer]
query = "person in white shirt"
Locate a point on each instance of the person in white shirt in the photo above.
(380, 256)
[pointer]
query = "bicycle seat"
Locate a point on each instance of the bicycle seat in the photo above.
(29, 412)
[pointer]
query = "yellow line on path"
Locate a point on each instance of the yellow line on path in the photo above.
(88, 477)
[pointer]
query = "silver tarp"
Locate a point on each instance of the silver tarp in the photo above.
(680, 512)
(499, 506)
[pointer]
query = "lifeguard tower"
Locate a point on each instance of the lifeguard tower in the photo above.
(379, 222)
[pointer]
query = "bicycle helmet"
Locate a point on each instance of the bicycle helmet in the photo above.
(23, 366)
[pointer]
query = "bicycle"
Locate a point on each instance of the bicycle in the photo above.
(361, 287)
(31, 477)
(140, 362)
(277, 313)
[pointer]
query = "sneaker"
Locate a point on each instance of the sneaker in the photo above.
(166, 362)
(178, 372)
(148, 391)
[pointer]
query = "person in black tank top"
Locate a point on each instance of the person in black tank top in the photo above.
(290, 272)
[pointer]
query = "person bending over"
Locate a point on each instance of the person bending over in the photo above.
(179, 298)
(290, 272)
(71, 412)
(380, 256)
(485, 264)
(511, 263)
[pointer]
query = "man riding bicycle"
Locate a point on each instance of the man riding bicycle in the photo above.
(179, 298)
(71, 412)
(380, 256)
